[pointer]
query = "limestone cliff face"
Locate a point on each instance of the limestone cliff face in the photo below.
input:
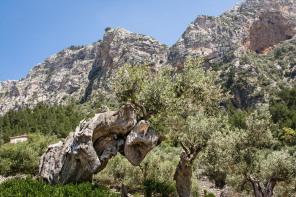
(73, 74)
(256, 25)
(60, 77)
(233, 40)
(118, 47)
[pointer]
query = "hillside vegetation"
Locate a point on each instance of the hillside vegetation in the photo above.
(267, 132)
(31, 187)
(224, 96)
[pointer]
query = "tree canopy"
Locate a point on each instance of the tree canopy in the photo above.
(250, 156)
(187, 102)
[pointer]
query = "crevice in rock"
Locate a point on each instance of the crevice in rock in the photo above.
(93, 75)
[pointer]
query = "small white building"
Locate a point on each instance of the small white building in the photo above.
(17, 139)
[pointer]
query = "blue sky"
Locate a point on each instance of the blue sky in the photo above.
(32, 30)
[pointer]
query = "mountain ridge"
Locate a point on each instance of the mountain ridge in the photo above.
(248, 28)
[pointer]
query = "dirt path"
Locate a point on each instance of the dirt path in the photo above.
(2, 178)
(208, 187)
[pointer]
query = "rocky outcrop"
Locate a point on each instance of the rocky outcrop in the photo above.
(271, 29)
(228, 43)
(73, 74)
(57, 80)
(87, 150)
(252, 24)
(118, 47)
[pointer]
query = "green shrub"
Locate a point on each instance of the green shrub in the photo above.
(153, 187)
(196, 189)
(23, 157)
(244, 60)
(119, 170)
(287, 136)
(30, 187)
(283, 109)
(278, 53)
(158, 166)
(72, 47)
(137, 194)
(210, 195)
(107, 29)
(237, 117)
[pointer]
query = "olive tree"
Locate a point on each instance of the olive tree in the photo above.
(186, 102)
(250, 157)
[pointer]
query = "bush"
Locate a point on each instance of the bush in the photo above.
(30, 187)
(153, 187)
(119, 170)
(196, 189)
(23, 157)
(107, 29)
(158, 166)
(283, 109)
(210, 195)
(244, 60)
(278, 53)
(72, 47)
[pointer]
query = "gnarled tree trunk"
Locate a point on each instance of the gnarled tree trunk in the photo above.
(183, 171)
(269, 186)
(87, 150)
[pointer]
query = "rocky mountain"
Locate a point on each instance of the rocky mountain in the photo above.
(58, 78)
(72, 74)
(256, 25)
(252, 44)
(119, 47)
